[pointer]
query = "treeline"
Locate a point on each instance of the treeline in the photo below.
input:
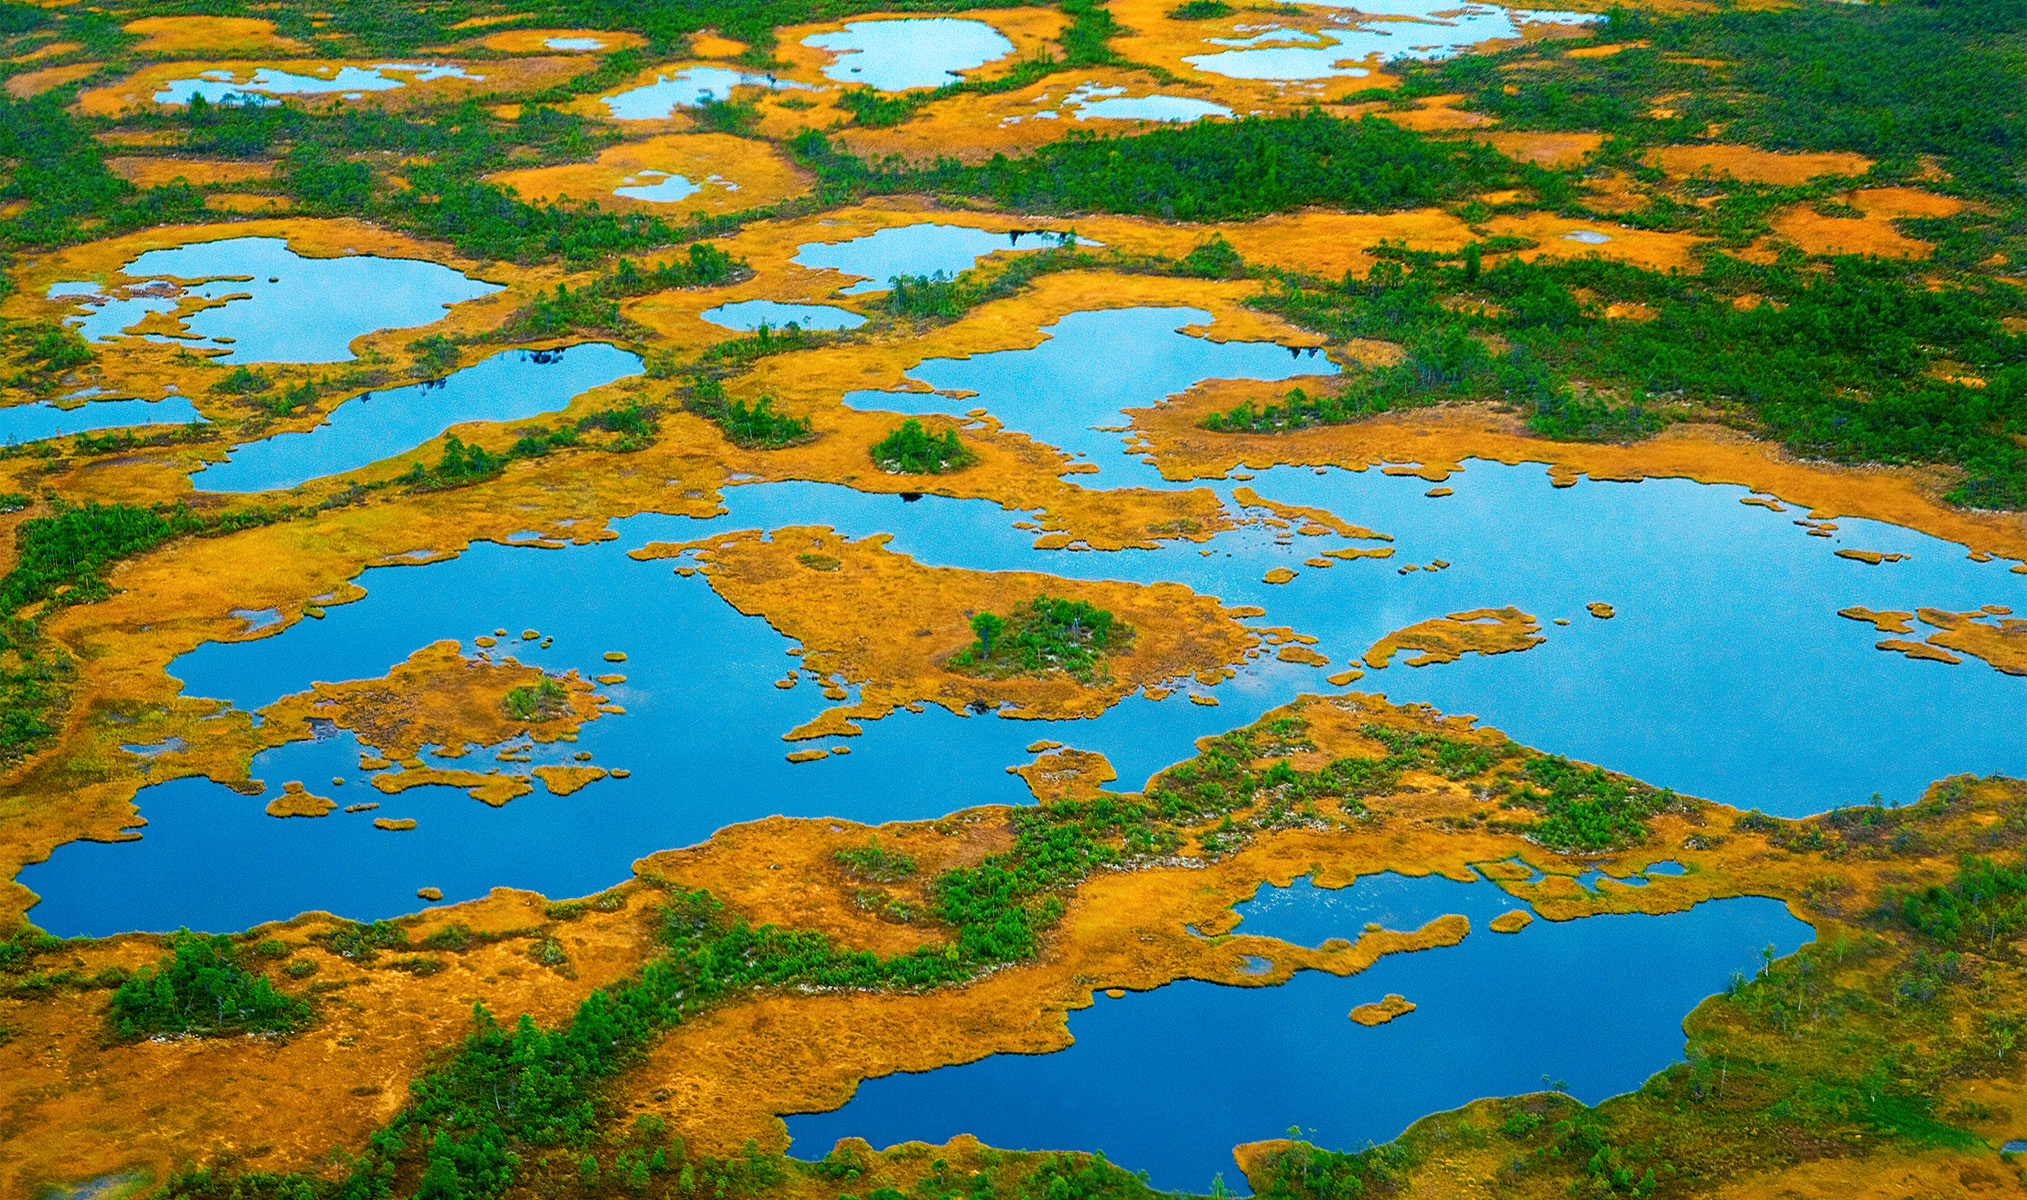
(1210, 171)
(59, 176)
(201, 988)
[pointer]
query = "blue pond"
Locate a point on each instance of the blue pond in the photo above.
(217, 86)
(914, 250)
(894, 55)
(666, 190)
(1051, 392)
(686, 89)
(748, 315)
(1421, 29)
(1168, 1081)
(279, 306)
(509, 386)
(43, 419)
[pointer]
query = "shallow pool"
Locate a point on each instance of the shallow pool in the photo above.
(509, 386)
(686, 89)
(909, 52)
(664, 190)
(1595, 1005)
(43, 419)
(1420, 29)
(277, 305)
(748, 315)
(218, 86)
(924, 249)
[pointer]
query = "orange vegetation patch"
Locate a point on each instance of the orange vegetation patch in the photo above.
(1873, 233)
(1991, 633)
(228, 36)
(1551, 234)
(824, 592)
(1757, 166)
(710, 45)
(1426, 114)
(34, 83)
(1395, 1005)
(1547, 149)
(732, 173)
(536, 41)
(1606, 50)
(1447, 639)
(283, 1102)
(148, 172)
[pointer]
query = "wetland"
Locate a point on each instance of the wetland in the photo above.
(1091, 600)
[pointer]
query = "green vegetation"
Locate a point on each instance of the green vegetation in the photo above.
(758, 427)
(460, 464)
(1209, 172)
(911, 450)
(1584, 810)
(875, 862)
(200, 988)
(1045, 634)
(1201, 10)
(595, 306)
(1985, 903)
(538, 702)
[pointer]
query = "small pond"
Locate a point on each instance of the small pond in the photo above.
(218, 85)
(895, 55)
(686, 89)
(1113, 104)
(1595, 1005)
(666, 189)
(276, 305)
(1421, 29)
(509, 386)
(43, 419)
(749, 315)
(924, 249)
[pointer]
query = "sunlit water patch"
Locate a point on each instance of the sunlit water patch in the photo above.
(925, 249)
(509, 386)
(1420, 29)
(278, 306)
(686, 89)
(219, 87)
(1595, 1005)
(1053, 392)
(1112, 103)
(894, 55)
(43, 419)
(749, 315)
(664, 190)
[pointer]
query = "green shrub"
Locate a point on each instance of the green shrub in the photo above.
(200, 988)
(912, 450)
(1047, 633)
(875, 862)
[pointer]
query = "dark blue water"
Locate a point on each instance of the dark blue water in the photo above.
(1169, 1081)
(510, 386)
(290, 308)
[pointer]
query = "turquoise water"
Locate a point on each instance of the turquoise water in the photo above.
(925, 249)
(1169, 1081)
(686, 89)
(43, 419)
(895, 55)
(749, 315)
(509, 386)
(1051, 391)
(279, 306)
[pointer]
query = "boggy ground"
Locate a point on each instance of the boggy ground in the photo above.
(283, 1104)
(867, 616)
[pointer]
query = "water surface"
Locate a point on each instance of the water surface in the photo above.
(925, 249)
(749, 315)
(43, 419)
(218, 87)
(1419, 29)
(509, 386)
(686, 89)
(895, 55)
(278, 306)
(1168, 1081)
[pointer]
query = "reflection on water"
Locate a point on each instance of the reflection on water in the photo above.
(894, 55)
(749, 315)
(218, 86)
(277, 305)
(686, 89)
(1595, 1004)
(509, 386)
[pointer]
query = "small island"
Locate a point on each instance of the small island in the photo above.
(1047, 633)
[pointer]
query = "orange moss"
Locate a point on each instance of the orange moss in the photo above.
(34, 83)
(1756, 166)
(829, 612)
(150, 172)
(177, 37)
(1446, 639)
(1394, 1005)
(733, 173)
